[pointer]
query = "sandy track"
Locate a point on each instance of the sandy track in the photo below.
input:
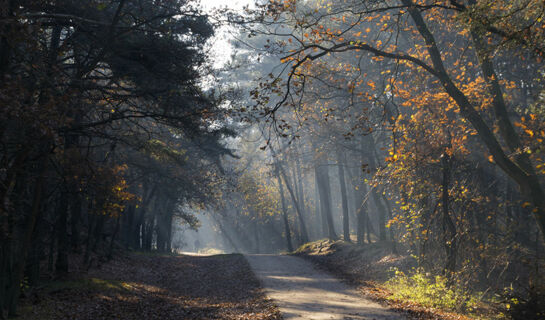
(302, 292)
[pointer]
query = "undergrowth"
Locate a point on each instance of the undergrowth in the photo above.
(431, 291)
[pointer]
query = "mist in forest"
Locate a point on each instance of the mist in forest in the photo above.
(414, 129)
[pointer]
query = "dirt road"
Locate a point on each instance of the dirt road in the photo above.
(302, 292)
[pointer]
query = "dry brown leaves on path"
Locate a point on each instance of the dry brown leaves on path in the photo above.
(142, 286)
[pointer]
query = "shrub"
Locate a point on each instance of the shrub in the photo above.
(423, 288)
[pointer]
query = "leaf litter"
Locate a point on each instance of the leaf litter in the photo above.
(148, 286)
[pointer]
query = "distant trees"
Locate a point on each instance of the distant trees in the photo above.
(104, 130)
(460, 79)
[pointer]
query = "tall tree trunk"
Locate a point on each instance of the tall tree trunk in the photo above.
(112, 240)
(32, 269)
(297, 225)
(392, 227)
(8, 242)
(302, 225)
(368, 226)
(141, 222)
(256, 238)
(381, 215)
(160, 230)
(360, 206)
(324, 189)
(19, 270)
(149, 225)
(322, 232)
(61, 264)
(6, 10)
(168, 225)
(301, 192)
(164, 225)
(284, 211)
(97, 233)
(128, 229)
(169, 231)
(449, 229)
(91, 220)
(344, 199)
(371, 149)
(5, 273)
(75, 223)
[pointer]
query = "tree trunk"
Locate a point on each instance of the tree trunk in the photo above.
(371, 149)
(284, 211)
(19, 270)
(90, 227)
(381, 215)
(304, 232)
(297, 225)
(256, 238)
(169, 232)
(344, 199)
(164, 225)
(360, 207)
(392, 230)
(5, 274)
(5, 46)
(112, 240)
(61, 265)
(75, 223)
(168, 226)
(149, 225)
(449, 229)
(301, 192)
(160, 229)
(128, 227)
(325, 199)
(319, 205)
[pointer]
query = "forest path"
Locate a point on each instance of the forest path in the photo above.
(303, 292)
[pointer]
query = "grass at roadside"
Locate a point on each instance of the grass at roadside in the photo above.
(422, 288)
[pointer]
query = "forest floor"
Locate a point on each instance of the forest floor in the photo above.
(303, 292)
(153, 286)
(367, 267)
